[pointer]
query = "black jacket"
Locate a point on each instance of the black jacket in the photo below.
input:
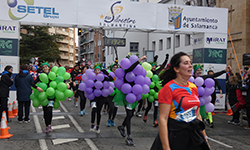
(23, 85)
(5, 85)
(247, 99)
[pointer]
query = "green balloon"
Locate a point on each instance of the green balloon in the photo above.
(152, 92)
(56, 104)
(146, 66)
(149, 74)
(36, 102)
(36, 93)
(61, 86)
(60, 95)
(66, 76)
(144, 96)
(52, 76)
(151, 98)
(53, 84)
(152, 85)
(61, 71)
(44, 78)
(45, 102)
(32, 96)
(51, 97)
(50, 91)
(156, 95)
(158, 84)
(43, 86)
(68, 93)
(59, 79)
(42, 96)
(155, 78)
(54, 69)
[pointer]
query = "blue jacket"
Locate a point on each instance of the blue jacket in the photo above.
(23, 86)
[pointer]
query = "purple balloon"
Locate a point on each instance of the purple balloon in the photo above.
(90, 83)
(100, 77)
(119, 73)
(88, 71)
(91, 96)
(199, 81)
(207, 99)
(89, 90)
(125, 63)
(137, 89)
(138, 97)
(91, 76)
(138, 70)
(145, 89)
(97, 93)
(202, 101)
(111, 90)
(144, 73)
(84, 77)
(105, 92)
(130, 77)
(82, 86)
(209, 107)
(133, 59)
(118, 83)
(212, 89)
(147, 81)
(140, 80)
(126, 88)
(209, 82)
(111, 84)
(112, 74)
(191, 79)
(98, 85)
(131, 98)
(105, 84)
(201, 91)
(208, 91)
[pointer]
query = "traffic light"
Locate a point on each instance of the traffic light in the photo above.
(79, 31)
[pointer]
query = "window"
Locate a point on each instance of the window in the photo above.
(63, 29)
(177, 41)
(187, 40)
(168, 42)
(108, 50)
(153, 45)
(160, 44)
(134, 47)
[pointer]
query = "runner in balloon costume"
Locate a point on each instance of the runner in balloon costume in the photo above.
(49, 90)
(97, 89)
(205, 90)
(131, 82)
(155, 86)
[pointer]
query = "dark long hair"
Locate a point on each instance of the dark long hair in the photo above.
(7, 68)
(170, 74)
(23, 67)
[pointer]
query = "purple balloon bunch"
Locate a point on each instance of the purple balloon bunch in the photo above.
(205, 93)
(94, 85)
(138, 83)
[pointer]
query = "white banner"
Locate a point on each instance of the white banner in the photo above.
(9, 60)
(9, 29)
(115, 14)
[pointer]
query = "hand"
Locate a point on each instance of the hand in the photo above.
(74, 84)
(68, 86)
(39, 89)
(167, 55)
(221, 95)
(11, 79)
(105, 72)
(142, 58)
(229, 68)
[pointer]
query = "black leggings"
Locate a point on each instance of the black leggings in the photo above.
(47, 114)
(127, 120)
(97, 110)
(112, 108)
(140, 105)
(4, 106)
(248, 113)
(155, 109)
(82, 100)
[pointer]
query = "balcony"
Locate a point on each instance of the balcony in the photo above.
(71, 58)
(71, 50)
(64, 41)
(63, 49)
(82, 51)
(52, 30)
(71, 43)
(76, 54)
(71, 35)
(62, 32)
(64, 57)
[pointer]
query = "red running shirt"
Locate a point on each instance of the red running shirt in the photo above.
(172, 93)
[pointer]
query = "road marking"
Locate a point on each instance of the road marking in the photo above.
(42, 142)
(60, 126)
(88, 141)
(61, 141)
(56, 111)
(58, 117)
(220, 142)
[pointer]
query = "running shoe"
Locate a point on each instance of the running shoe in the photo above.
(145, 118)
(27, 121)
(211, 125)
(122, 131)
(82, 112)
(76, 104)
(49, 128)
(112, 123)
(69, 99)
(97, 130)
(109, 123)
(237, 122)
(247, 127)
(92, 128)
(155, 124)
(20, 122)
(231, 121)
(138, 115)
(207, 122)
(130, 142)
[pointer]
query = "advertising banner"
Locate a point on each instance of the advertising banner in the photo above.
(9, 29)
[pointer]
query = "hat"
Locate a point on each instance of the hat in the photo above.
(97, 67)
(196, 67)
(46, 64)
(153, 64)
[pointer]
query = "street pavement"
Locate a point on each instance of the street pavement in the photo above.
(71, 132)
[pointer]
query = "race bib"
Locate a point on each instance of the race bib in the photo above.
(129, 106)
(76, 82)
(156, 103)
(93, 105)
(50, 104)
(187, 116)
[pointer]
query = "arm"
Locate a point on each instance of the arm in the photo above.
(36, 87)
(219, 87)
(214, 75)
(163, 65)
(7, 80)
(109, 78)
(203, 131)
(16, 81)
(164, 110)
(132, 67)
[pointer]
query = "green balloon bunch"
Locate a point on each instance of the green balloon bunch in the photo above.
(152, 95)
(57, 88)
(148, 68)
